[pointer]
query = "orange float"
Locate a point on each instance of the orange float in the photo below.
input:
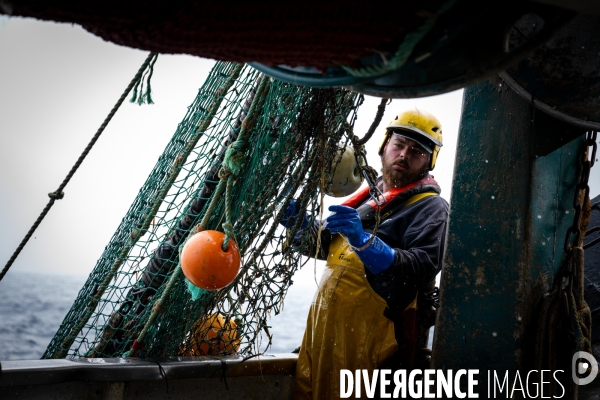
(212, 336)
(205, 264)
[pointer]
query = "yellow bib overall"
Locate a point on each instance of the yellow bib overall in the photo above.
(346, 313)
(350, 316)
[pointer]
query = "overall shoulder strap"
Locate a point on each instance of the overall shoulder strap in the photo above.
(412, 200)
(367, 214)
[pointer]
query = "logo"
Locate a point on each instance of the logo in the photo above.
(584, 368)
(341, 257)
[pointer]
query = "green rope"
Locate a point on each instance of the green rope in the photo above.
(227, 225)
(283, 138)
(234, 160)
(157, 308)
(136, 234)
(231, 166)
(144, 97)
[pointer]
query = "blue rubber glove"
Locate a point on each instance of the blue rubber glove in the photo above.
(345, 220)
(291, 213)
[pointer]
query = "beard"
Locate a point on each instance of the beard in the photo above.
(396, 179)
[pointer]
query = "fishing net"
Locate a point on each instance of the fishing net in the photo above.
(247, 146)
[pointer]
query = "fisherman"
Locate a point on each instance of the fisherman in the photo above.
(364, 313)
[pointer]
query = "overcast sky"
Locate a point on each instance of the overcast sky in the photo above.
(57, 84)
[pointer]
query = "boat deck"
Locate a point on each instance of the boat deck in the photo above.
(264, 377)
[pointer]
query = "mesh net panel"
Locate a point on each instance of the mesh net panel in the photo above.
(289, 136)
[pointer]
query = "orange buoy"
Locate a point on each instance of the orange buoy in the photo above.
(205, 264)
(212, 336)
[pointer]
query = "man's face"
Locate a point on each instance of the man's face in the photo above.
(404, 161)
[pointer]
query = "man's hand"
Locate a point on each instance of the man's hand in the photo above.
(291, 213)
(378, 256)
(345, 220)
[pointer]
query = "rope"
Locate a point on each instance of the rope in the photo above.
(158, 305)
(58, 193)
(232, 165)
(579, 312)
(234, 161)
(322, 209)
(227, 225)
(311, 163)
(156, 309)
(156, 204)
(360, 152)
(213, 204)
(374, 124)
(144, 97)
(581, 315)
(565, 317)
(282, 160)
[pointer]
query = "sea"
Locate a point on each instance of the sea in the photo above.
(33, 305)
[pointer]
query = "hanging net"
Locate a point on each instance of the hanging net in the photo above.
(247, 146)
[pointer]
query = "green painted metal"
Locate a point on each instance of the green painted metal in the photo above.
(512, 196)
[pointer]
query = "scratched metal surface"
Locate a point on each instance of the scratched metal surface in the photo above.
(511, 202)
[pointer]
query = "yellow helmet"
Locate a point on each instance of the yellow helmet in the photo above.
(420, 126)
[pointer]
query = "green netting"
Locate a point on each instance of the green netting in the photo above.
(136, 301)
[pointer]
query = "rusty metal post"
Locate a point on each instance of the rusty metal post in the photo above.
(511, 205)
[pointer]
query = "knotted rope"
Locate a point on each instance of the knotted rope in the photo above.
(234, 161)
(58, 193)
(232, 165)
(136, 234)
